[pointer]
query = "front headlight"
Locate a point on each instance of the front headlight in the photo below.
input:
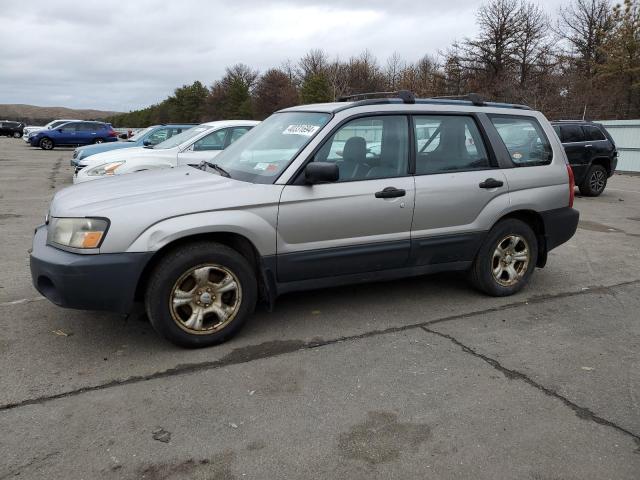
(77, 232)
(106, 169)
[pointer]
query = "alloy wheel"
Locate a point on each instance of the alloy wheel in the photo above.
(510, 260)
(597, 181)
(205, 299)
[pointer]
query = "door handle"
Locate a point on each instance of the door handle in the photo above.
(391, 192)
(588, 146)
(491, 183)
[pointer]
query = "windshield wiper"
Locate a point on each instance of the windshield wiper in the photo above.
(215, 166)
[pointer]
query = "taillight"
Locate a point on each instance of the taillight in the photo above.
(572, 185)
(113, 133)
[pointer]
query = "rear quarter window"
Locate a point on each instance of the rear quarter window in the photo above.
(525, 140)
(593, 133)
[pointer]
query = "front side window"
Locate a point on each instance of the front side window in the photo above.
(213, 141)
(263, 153)
(448, 143)
(181, 138)
(368, 148)
(70, 127)
(526, 142)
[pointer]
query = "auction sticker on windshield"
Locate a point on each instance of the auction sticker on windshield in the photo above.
(306, 130)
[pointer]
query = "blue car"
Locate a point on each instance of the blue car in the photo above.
(150, 136)
(74, 133)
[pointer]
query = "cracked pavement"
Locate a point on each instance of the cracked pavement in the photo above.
(419, 378)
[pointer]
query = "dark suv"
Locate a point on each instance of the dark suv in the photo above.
(591, 153)
(11, 129)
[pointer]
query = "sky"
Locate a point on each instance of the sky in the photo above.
(125, 55)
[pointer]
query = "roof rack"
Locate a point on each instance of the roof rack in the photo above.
(405, 95)
(474, 98)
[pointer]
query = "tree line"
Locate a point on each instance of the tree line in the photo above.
(584, 64)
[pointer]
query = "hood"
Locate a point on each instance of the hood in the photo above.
(163, 192)
(126, 154)
(106, 147)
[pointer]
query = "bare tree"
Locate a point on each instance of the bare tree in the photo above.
(393, 70)
(585, 24)
(493, 53)
(533, 45)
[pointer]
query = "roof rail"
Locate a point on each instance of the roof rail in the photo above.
(405, 95)
(474, 98)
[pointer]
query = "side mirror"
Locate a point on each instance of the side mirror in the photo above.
(321, 172)
(146, 142)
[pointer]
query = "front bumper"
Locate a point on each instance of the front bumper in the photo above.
(560, 225)
(86, 282)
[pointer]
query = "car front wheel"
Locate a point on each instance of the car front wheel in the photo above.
(506, 259)
(594, 182)
(17, 134)
(46, 144)
(201, 294)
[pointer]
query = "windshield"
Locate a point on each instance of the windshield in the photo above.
(181, 138)
(139, 134)
(265, 151)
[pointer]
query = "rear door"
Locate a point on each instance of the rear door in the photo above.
(596, 142)
(458, 186)
(362, 222)
(577, 149)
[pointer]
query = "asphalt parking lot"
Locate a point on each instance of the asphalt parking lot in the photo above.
(420, 378)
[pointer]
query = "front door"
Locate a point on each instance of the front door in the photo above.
(360, 223)
(455, 181)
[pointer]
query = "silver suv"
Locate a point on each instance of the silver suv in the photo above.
(315, 196)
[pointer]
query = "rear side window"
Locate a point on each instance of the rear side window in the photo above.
(526, 142)
(593, 133)
(571, 133)
(448, 143)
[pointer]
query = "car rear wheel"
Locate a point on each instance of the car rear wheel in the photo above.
(201, 294)
(98, 140)
(594, 182)
(506, 259)
(46, 144)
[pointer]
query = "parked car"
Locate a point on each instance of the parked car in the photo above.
(11, 129)
(280, 210)
(145, 137)
(31, 130)
(192, 146)
(74, 133)
(591, 152)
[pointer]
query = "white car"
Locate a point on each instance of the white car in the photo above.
(190, 147)
(28, 131)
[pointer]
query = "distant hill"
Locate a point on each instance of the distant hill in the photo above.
(34, 115)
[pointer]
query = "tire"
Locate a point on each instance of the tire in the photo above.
(489, 260)
(17, 134)
(595, 181)
(196, 272)
(99, 140)
(46, 144)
